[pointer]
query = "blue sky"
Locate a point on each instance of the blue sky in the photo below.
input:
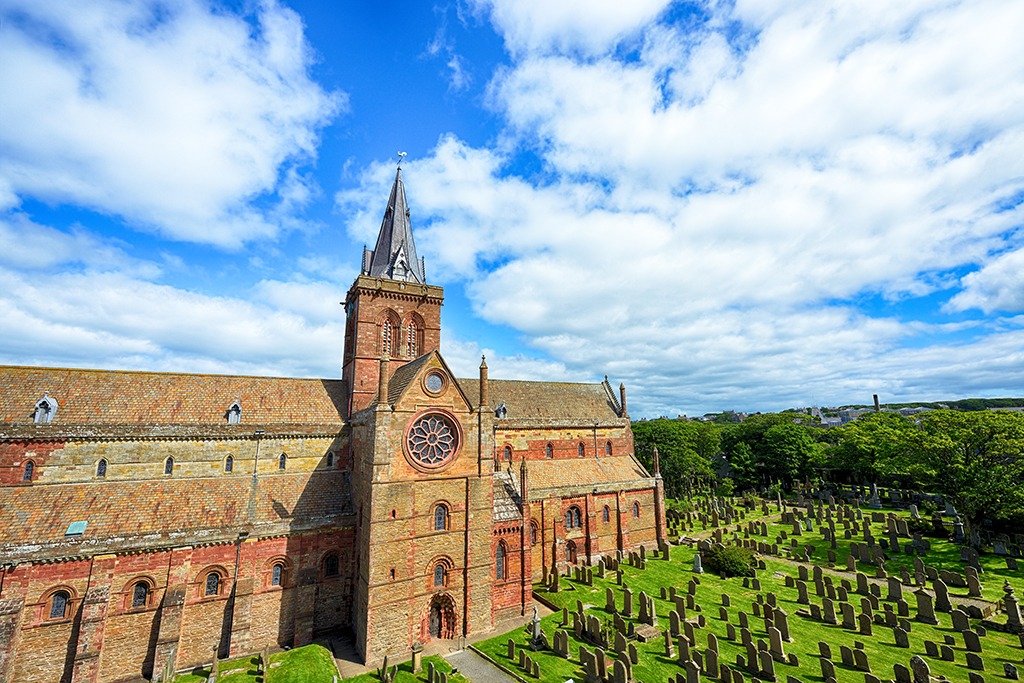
(724, 205)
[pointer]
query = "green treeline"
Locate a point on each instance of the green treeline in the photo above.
(975, 459)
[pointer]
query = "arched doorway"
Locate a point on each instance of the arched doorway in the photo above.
(570, 552)
(441, 617)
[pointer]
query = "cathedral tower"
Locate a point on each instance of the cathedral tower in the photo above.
(390, 309)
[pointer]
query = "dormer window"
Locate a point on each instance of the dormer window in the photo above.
(235, 413)
(501, 411)
(46, 408)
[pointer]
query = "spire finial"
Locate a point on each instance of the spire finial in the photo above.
(401, 158)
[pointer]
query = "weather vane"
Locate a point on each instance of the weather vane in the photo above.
(401, 156)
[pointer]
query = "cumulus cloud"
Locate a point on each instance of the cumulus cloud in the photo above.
(174, 116)
(586, 26)
(998, 286)
(715, 204)
(112, 320)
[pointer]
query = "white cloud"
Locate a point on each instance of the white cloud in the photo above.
(589, 26)
(173, 116)
(998, 286)
(715, 206)
(464, 360)
(27, 245)
(112, 320)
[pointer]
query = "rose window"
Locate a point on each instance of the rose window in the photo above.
(432, 441)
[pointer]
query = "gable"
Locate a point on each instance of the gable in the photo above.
(407, 387)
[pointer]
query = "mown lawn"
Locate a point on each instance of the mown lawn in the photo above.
(309, 664)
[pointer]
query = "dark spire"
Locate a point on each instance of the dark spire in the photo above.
(394, 257)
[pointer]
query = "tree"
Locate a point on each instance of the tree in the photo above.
(879, 444)
(977, 461)
(770, 447)
(685, 450)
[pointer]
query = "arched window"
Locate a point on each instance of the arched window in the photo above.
(573, 518)
(331, 565)
(533, 533)
(169, 466)
(581, 450)
(410, 340)
(550, 451)
(606, 515)
(499, 562)
(277, 574)
(608, 448)
(281, 460)
(330, 459)
(636, 509)
(440, 517)
(140, 595)
(212, 584)
(101, 468)
(440, 576)
(229, 463)
(29, 469)
(59, 604)
(508, 453)
(385, 338)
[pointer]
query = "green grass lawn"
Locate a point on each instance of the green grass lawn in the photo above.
(882, 651)
(309, 664)
(405, 674)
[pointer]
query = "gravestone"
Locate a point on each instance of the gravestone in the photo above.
(942, 603)
(902, 640)
(920, 669)
(960, 620)
(925, 609)
(971, 641)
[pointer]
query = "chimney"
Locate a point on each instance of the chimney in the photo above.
(657, 465)
(382, 386)
(876, 402)
(483, 383)
(622, 400)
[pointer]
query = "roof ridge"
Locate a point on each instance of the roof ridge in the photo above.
(169, 374)
(533, 381)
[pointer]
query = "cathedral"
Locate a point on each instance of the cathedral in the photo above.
(153, 521)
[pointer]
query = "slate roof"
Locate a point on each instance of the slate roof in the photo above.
(506, 497)
(120, 512)
(112, 396)
(546, 400)
(395, 235)
(403, 376)
(568, 472)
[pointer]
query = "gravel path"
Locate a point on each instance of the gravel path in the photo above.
(476, 669)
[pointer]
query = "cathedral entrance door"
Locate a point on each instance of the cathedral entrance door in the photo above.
(441, 621)
(435, 620)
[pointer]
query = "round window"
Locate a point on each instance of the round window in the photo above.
(432, 441)
(434, 382)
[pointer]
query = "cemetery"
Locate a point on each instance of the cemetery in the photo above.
(849, 586)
